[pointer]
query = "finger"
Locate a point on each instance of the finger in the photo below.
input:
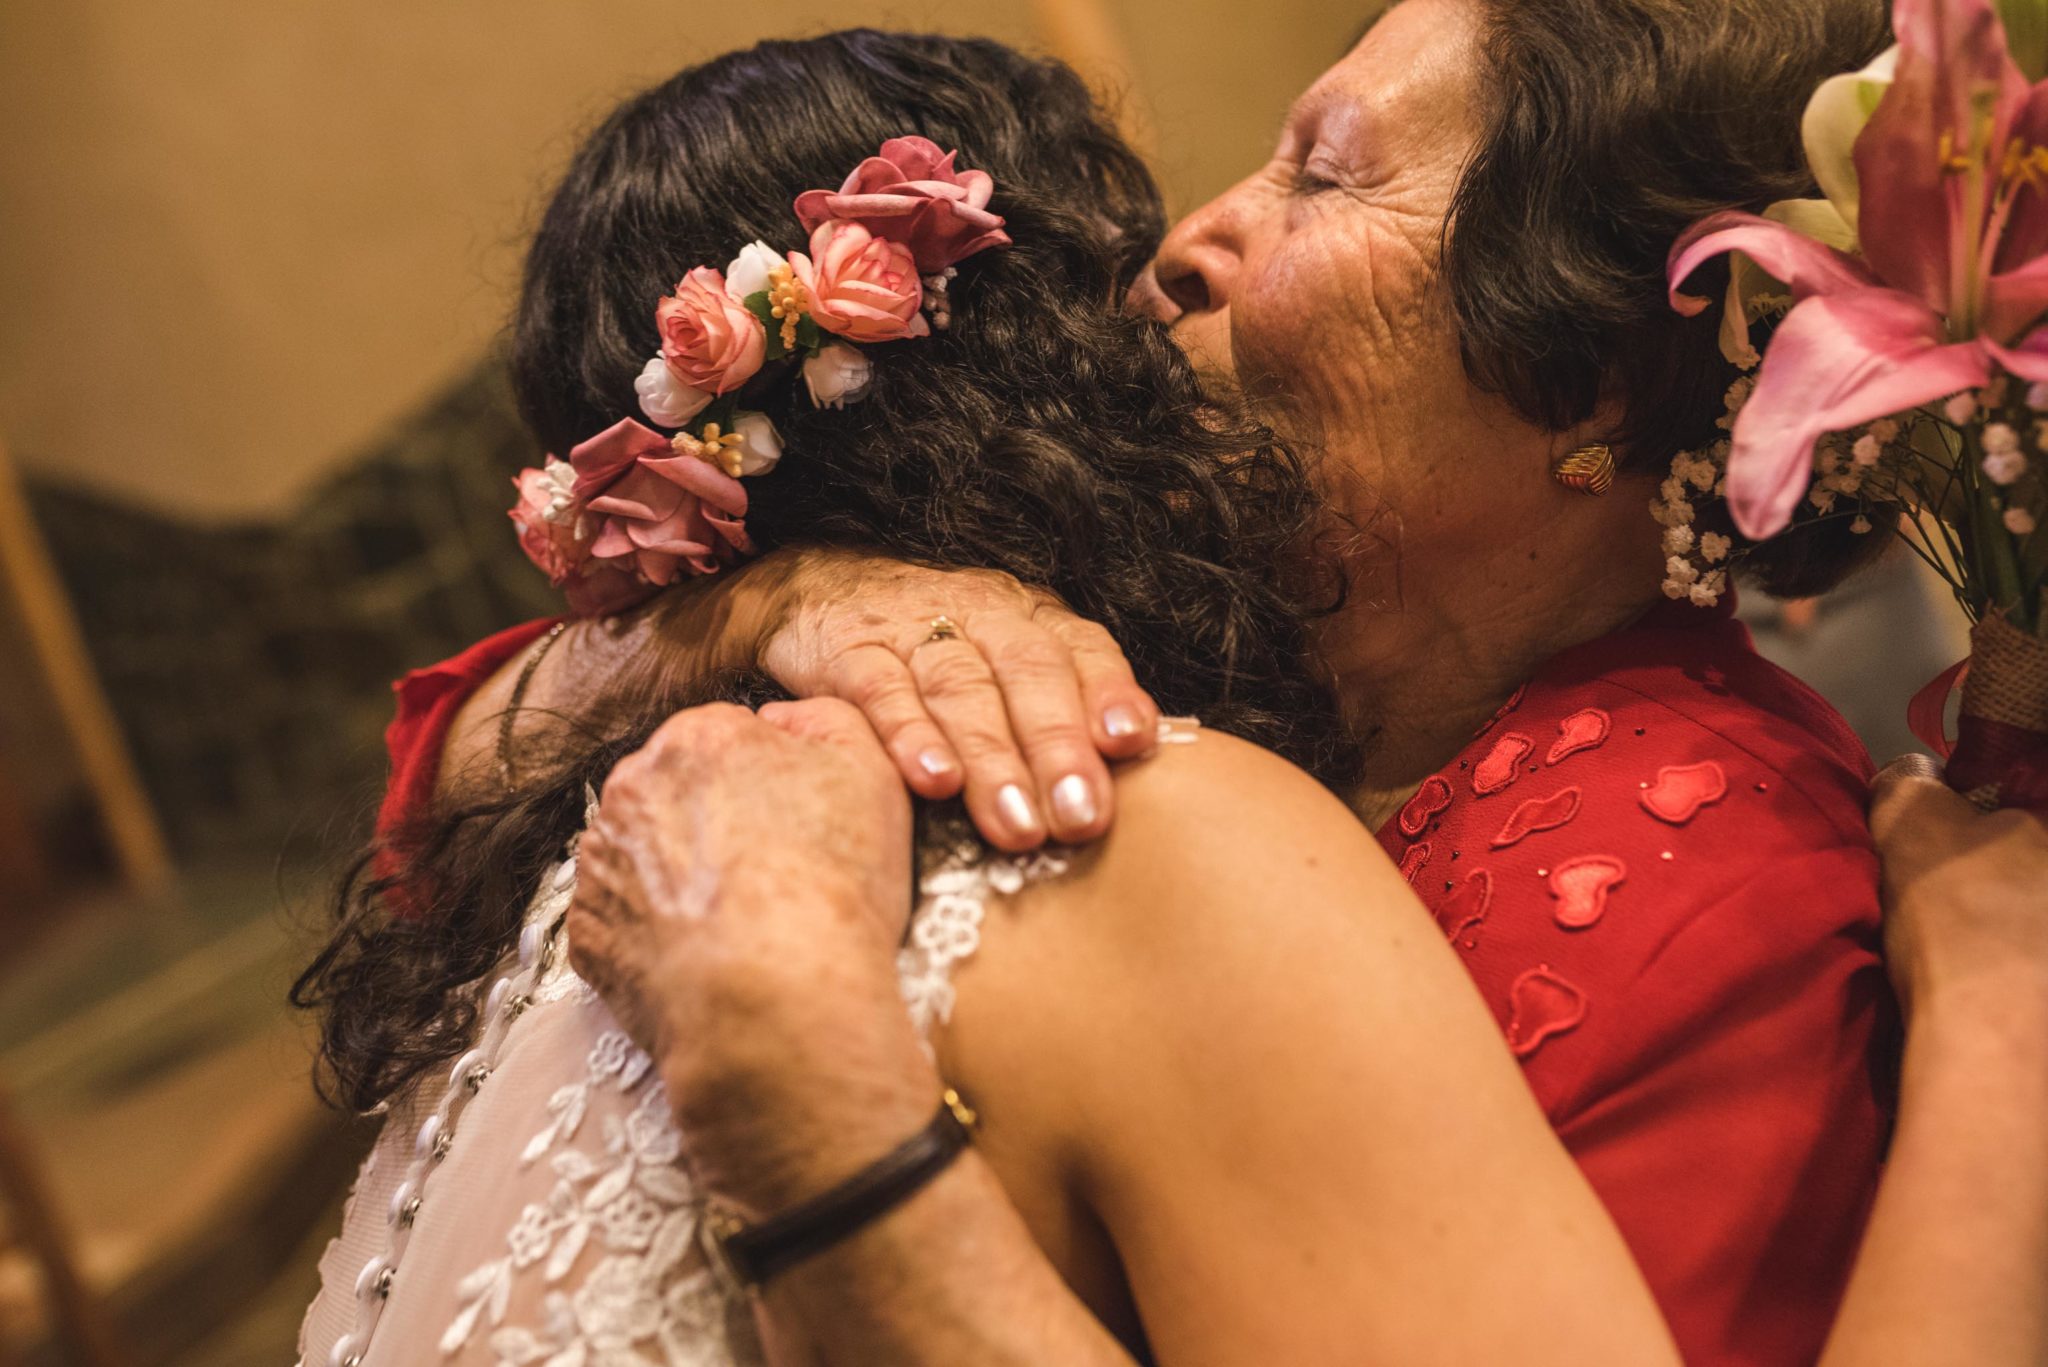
(828, 721)
(875, 680)
(959, 690)
(1121, 715)
(1042, 694)
(1909, 799)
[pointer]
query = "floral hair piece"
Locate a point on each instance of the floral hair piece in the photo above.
(631, 510)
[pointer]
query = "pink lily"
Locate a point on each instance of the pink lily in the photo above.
(1953, 221)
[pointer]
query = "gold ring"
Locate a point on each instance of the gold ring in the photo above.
(942, 629)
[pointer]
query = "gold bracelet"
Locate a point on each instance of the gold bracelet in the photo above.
(519, 687)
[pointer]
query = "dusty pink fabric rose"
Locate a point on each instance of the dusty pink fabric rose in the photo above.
(911, 194)
(653, 512)
(708, 338)
(553, 531)
(862, 287)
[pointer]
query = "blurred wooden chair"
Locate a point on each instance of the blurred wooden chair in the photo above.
(31, 1227)
(58, 653)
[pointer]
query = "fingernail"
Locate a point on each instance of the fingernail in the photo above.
(1016, 809)
(1073, 801)
(937, 763)
(1121, 721)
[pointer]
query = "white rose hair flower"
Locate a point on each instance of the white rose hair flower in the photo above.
(837, 375)
(666, 400)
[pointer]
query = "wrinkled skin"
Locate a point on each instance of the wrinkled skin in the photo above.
(666, 924)
(1315, 282)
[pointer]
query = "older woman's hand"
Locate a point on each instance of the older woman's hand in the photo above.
(1020, 709)
(740, 899)
(1966, 895)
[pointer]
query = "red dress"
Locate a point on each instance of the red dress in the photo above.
(1655, 864)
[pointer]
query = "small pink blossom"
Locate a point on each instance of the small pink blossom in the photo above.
(2019, 521)
(1999, 436)
(554, 534)
(709, 339)
(1867, 450)
(2037, 396)
(1961, 408)
(547, 520)
(861, 287)
(911, 194)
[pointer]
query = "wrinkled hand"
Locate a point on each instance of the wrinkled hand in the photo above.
(740, 899)
(1966, 893)
(1020, 710)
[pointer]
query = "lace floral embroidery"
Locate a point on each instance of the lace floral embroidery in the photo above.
(953, 899)
(630, 1198)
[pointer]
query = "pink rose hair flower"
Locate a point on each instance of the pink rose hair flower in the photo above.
(708, 338)
(553, 533)
(911, 194)
(653, 511)
(862, 287)
(1953, 223)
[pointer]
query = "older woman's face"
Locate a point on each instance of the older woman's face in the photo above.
(1316, 283)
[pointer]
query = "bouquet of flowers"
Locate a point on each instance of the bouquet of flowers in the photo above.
(1906, 379)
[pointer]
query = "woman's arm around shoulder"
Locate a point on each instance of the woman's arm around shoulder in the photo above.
(1278, 1091)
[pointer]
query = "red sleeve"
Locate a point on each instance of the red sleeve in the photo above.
(1734, 1128)
(428, 700)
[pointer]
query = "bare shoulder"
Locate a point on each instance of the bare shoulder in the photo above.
(1224, 860)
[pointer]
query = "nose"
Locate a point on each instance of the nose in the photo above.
(1198, 262)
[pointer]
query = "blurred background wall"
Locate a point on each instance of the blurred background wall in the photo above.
(253, 452)
(241, 240)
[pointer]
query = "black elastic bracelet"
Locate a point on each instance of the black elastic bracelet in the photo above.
(754, 1253)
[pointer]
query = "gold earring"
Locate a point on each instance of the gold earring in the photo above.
(1590, 469)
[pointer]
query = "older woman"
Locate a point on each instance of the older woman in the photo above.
(1653, 854)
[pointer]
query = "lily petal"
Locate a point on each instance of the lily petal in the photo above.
(1950, 52)
(2016, 300)
(2028, 359)
(1836, 361)
(2025, 237)
(1805, 266)
(1835, 118)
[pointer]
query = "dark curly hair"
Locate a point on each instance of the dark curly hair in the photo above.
(1044, 434)
(1612, 127)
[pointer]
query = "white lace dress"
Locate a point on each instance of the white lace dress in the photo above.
(530, 1206)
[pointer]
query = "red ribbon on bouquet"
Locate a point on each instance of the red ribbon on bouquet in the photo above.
(2000, 754)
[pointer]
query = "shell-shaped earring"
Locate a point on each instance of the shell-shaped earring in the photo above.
(1590, 469)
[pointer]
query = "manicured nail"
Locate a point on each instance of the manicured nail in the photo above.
(1121, 721)
(937, 763)
(1073, 801)
(1016, 809)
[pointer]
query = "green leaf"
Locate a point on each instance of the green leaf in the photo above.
(809, 337)
(2026, 33)
(758, 305)
(722, 410)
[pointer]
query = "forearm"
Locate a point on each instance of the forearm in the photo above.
(690, 632)
(950, 1276)
(1954, 1267)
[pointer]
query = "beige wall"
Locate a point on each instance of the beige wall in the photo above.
(240, 237)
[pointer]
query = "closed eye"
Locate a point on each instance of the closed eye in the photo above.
(1307, 182)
